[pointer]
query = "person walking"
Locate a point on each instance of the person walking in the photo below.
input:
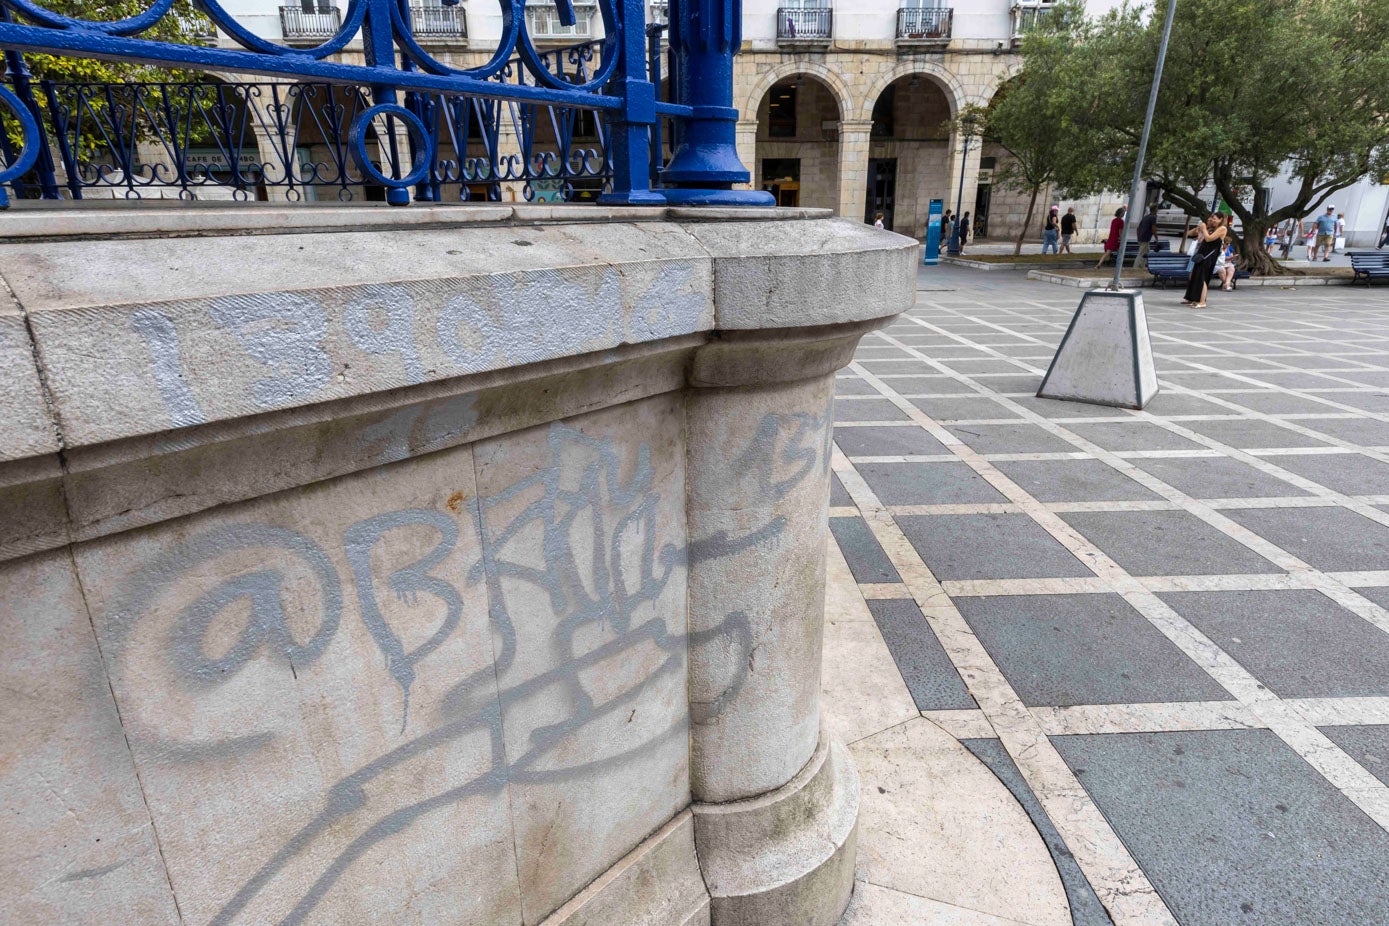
(878, 221)
(1340, 242)
(964, 232)
(1147, 232)
(1051, 231)
(1210, 239)
(1326, 235)
(1116, 234)
(1068, 230)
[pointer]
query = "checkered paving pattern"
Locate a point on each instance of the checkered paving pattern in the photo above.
(1168, 626)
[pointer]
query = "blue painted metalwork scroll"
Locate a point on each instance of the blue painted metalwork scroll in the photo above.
(413, 100)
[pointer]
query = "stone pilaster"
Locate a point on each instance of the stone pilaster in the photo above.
(853, 167)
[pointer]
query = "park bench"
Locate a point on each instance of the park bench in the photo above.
(1167, 266)
(1369, 266)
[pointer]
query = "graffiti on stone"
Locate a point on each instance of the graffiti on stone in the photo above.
(581, 533)
(293, 348)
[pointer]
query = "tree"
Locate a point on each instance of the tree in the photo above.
(1251, 89)
(182, 25)
(1026, 117)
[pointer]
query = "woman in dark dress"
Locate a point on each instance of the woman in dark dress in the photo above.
(1210, 238)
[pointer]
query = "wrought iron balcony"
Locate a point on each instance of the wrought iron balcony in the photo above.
(542, 22)
(299, 24)
(1027, 16)
(924, 26)
(801, 26)
(448, 22)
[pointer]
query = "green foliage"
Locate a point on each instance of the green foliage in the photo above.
(1250, 88)
(181, 24)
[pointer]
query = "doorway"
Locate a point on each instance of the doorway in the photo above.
(782, 178)
(982, 196)
(882, 190)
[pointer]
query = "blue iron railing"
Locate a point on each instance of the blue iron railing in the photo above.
(589, 113)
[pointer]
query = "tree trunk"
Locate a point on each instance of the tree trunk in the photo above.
(1027, 223)
(1252, 254)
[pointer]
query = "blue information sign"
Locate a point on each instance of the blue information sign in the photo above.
(931, 256)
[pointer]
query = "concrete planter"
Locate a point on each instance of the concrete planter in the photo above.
(470, 571)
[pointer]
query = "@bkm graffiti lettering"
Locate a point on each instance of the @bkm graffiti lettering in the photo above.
(581, 565)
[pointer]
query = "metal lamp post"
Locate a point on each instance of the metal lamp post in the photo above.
(1134, 208)
(966, 129)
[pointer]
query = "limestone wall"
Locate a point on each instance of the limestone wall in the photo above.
(446, 574)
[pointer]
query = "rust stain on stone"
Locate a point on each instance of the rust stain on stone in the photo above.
(455, 502)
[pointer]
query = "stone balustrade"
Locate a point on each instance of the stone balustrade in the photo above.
(464, 566)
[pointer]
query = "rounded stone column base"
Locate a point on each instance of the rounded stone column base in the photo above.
(787, 856)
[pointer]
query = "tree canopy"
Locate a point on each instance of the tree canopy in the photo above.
(1251, 89)
(181, 25)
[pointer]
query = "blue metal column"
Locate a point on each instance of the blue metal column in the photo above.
(631, 138)
(704, 37)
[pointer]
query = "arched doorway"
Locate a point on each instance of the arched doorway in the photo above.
(798, 143)
(909, 153)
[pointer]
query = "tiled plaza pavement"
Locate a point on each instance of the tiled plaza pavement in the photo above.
(1164, 631)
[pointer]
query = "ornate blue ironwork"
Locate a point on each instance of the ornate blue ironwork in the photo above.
(401, 86)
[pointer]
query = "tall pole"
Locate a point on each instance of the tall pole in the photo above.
(967, 127)
(1143, 145)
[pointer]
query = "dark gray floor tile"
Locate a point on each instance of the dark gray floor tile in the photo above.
(928, 484)
(853, 385)
(868, 410)
(1299, 643)
(926, 385)
(1056, 409)
(1280, 403)
(988, 546)
(1062, 650)
(1173, 403)
(1377, 402)
(908, 440)
(925, 667)
(1217, 477)
(1086, 909)
(1330, 539)
(1364, 432)
(1024, 384)
(1379, 596)
(839, 497)
(1010, 438)
(861, 550)
(1166, 543)
(895, 367)
(1233, 827)
(962, 409)
(1249, 434)
(1347, 473)
(1132, 435)
(1367, 745)
(973, 366)
(1298, 380)
(1073, 481)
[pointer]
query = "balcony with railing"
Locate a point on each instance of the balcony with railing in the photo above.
(445, 23)
(543, 23)
(302, 24)
(918, 26)
(801, 26)
(1028, 16)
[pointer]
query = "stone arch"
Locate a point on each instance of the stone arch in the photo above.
(800, 165)
(950, 85)
(769, 79)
